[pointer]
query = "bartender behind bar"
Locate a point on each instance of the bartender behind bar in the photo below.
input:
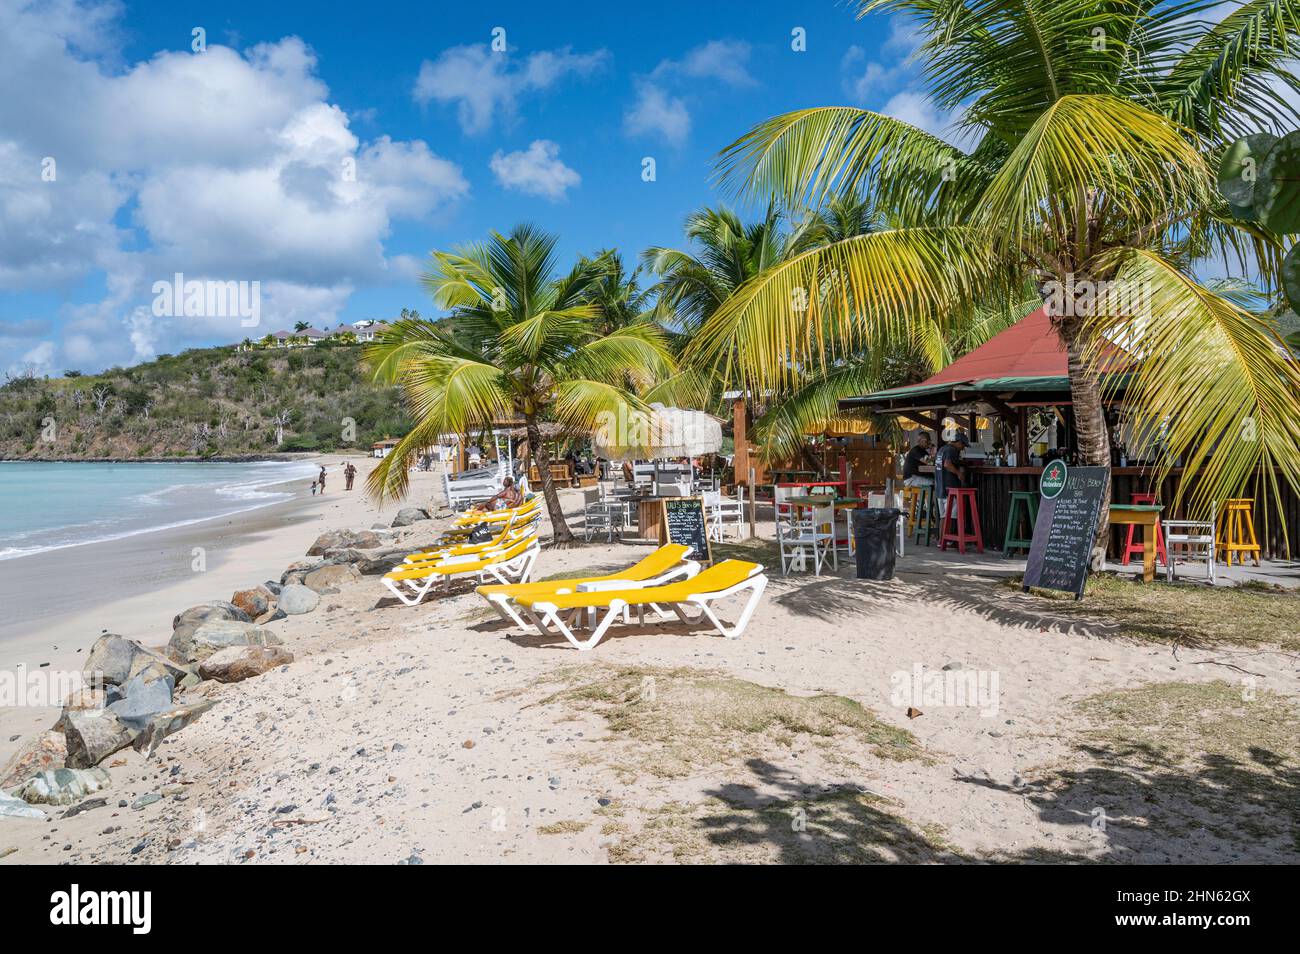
(949, 471)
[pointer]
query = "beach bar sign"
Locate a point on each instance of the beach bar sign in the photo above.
(1065, 528)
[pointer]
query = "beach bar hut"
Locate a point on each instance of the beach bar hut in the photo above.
(1018, 384)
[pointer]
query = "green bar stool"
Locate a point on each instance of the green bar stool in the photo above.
(926, 516)
(1024, 503)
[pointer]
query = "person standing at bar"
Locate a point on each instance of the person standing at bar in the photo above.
(918, 455)
(948, 469)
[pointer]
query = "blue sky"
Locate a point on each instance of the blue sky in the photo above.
(323, 149)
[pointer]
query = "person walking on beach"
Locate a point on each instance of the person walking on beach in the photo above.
(349, 475)
(321, 478)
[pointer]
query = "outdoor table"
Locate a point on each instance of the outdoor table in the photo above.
(1146, 516)
(840, 503)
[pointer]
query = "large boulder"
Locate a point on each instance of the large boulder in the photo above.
(334, 539)
(64, 786)
(243, 662)
(114, 660)
(254, 602)
(11, 807)
(216, 635)
(93, 735)
(40, 752)
(166, 723)
(184, 625)
(296, 571)
(384, 561)
(271, 615)
(296, 599)
(409, 515)
(142, 699)
(328, 577)
(213, 609)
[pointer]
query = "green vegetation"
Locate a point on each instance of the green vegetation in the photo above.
(201, 403)
(1177, 758)
(682, 721)
(1184, 613)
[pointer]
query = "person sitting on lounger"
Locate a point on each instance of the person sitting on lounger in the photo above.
(508, 496)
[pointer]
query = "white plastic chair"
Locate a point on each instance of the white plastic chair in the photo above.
(598, 515)
(798, 538)
(1196, 537)
(882, 500)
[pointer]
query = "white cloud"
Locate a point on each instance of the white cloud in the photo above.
(220, 165)
(536, 170)
(483, 84)
(657, 113)
(723, 60)
(919, 110)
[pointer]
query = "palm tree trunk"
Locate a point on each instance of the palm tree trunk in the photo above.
(1091, 436)
(541, 459)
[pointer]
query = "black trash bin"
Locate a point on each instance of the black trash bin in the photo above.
(875, 537)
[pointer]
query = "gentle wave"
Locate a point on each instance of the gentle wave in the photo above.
(254, 489)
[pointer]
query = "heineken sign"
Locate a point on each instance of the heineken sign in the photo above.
(1052, 481)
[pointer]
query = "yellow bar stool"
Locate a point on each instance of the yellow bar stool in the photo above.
(911, 507)
(1237, 531)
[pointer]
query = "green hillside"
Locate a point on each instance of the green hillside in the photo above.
(207, 402)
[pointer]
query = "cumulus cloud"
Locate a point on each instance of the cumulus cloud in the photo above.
(660, 112)
(536, 170)
(220, 165)
(726, 61)
(657, 113)
(484, 84)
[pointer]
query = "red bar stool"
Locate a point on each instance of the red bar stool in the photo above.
(1135, 549)
(964, 534)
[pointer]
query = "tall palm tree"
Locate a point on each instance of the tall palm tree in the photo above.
(1095, 125)
(528, 342)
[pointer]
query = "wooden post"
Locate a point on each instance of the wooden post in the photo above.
(740, 435)
(753, 505)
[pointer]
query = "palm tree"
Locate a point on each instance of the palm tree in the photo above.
(1094, 129)
(528, 342)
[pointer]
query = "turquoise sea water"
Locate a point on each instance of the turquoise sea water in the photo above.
(46, 506)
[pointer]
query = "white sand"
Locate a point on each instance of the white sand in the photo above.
(358, 749)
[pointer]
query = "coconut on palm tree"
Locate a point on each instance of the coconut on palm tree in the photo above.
(1093, 129)
(529, 342)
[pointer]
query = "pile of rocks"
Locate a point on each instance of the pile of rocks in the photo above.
(138, 697)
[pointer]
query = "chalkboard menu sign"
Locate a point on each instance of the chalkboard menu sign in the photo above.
(684, 522)
(1065, 529)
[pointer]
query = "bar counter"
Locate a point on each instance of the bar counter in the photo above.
(993, 487)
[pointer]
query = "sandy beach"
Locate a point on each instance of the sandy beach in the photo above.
(440, 734)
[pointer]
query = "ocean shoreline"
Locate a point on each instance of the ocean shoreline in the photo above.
(133, 584)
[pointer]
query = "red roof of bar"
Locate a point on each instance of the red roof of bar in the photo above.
(1030, 348)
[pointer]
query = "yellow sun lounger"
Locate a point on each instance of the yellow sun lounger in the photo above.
(508, 535)
(410, 584)
(665, 564)
(706, 588)
(467, 522)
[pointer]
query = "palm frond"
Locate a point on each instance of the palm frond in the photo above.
(1214, 379)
